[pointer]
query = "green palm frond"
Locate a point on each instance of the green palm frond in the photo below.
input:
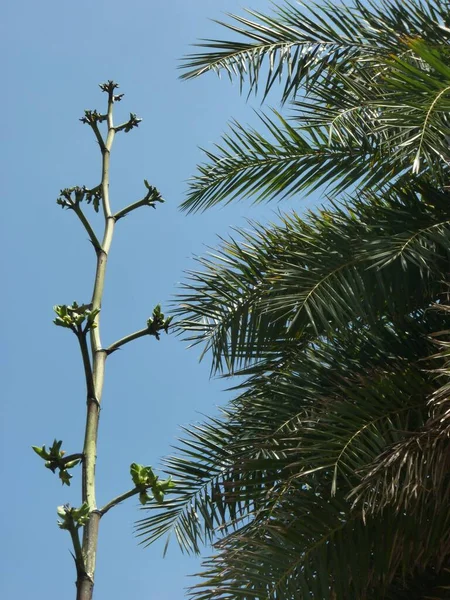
(193, 515)
(219, 477)
(407, 473)
(292, 44)
(225, 320)
(373, 125)
(401, 103)
(418, 103)
(282, 282)
(362, 425)
(323, 397)
(301, 44)
(283, 162)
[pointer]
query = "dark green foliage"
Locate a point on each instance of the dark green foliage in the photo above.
(327, 476)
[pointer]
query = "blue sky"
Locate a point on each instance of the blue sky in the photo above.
(57, 54)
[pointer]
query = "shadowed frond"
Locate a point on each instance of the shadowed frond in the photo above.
(331, 412)
(407, 473)
(323, 552)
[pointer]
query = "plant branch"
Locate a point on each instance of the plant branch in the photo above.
(86, 364)
(119, 499)
(150, 199)
(71, 457)
(126, 340)
(79, 559)
(80, 214)
(132, 122)
(98, 135)
(122, 213)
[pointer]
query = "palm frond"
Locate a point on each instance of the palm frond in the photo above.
(282, 163)
(323, 552)
(322, 415)
(383, 117)
(406, 473)
(300, 44)
(282, 282)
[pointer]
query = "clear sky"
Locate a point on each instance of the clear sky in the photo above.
(54, 55)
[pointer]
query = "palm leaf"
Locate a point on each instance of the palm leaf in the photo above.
(282, 163)
(303, 43)
(329, 553)
(282, 283)
(322, 415)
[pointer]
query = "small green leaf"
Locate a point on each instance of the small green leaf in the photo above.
(142, 476)
(65, 477)
(137, 474)
(158, 495)
(65, 512)
(167, 324)
(166, 484)
(41, 451)
(144, 498)
(63, 322)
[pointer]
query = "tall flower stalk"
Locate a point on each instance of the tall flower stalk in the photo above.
(84, 321)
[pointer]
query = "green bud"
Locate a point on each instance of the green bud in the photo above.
(158, 495)
(65, 512)
(81, 515)
(138, 474)
(142, 476)
(166, 484)
(144, 498)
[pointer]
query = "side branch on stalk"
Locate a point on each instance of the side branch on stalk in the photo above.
(150, 199)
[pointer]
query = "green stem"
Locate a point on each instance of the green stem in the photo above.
(99, 137)
(119, 499)
(85, 584)
(80, 214)
(79, 562)
(85, 579)
(71, 457)
(126, 340)
(86, 364)
(131, 207)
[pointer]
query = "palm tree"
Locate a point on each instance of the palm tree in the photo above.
(327, 476)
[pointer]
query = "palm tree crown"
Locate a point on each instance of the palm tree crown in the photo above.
(327, 476)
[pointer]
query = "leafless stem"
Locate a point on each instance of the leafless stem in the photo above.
(118, 499)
